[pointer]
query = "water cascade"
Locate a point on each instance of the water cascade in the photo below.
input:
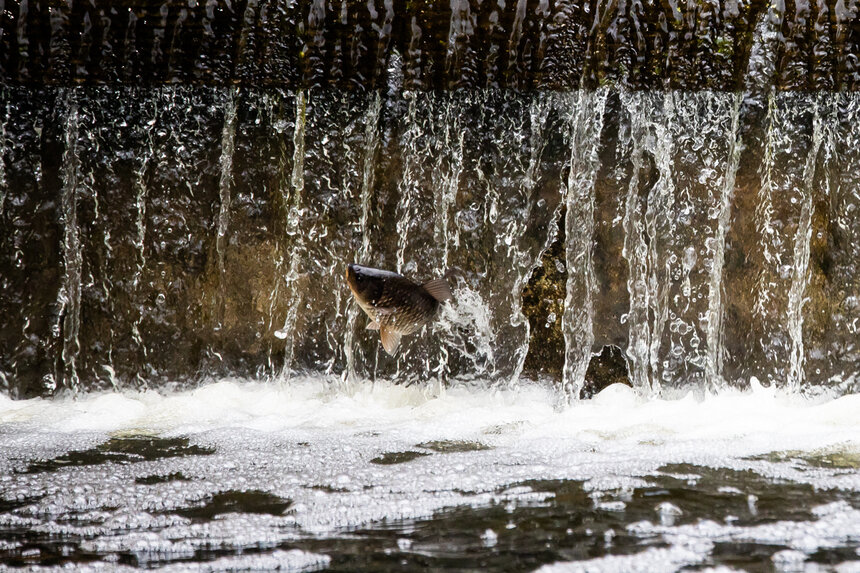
(69, 302)
(578, 321)
(293, 197)
(2, 164)
(469, 183)
(682, 154)
(714, 325)
(189, 210)
(224, 183)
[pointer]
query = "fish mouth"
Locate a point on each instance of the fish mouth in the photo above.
(350, 277)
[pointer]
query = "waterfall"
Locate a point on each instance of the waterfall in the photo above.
(706, 258)
(294, 192)
(585, 136)
(334, 138)
(764, 212)
(3, 143)
(276, 106)
(636, 251)
(842, 183)
(140, 188)
(800, 266)
(224, 183)
(683, 154)
(783, 223)
(70, 293)
(721, 211)
(524, 259)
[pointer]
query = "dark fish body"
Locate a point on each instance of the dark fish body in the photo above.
(396, 305)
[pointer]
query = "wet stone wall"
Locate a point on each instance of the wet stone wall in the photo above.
(672, 188)
(160, 235)
(519, 44)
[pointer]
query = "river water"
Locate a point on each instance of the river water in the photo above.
(242, 475)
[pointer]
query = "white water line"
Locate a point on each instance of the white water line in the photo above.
(297, 184)
(3, 141)
(800, 268)
(635, 251)
(714, 333)
(70, 293)
(586, 126)
(225, 182)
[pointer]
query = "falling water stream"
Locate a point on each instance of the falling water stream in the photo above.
(70, 292)
(294, 192)
(578, 321)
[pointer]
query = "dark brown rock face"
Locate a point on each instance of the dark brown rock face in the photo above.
(521, 44)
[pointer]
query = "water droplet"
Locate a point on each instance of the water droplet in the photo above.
(489, 538)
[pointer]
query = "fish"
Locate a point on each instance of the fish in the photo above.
(396, 305)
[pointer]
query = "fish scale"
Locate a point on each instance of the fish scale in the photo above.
(395, 304)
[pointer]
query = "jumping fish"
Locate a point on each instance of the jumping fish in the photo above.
(396, 305)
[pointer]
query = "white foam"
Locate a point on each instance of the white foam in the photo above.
(653, 560)
(755, 420)
(838, 525)
(313, 444)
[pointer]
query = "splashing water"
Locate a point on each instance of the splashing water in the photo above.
(586, 125)
(69, 299)
(243, 474)
(698, 239)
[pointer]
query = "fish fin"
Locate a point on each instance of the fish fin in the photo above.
(390, 340)
(439, 289)
(372, 325)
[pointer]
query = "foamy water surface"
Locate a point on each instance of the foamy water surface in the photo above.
(305, 476)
